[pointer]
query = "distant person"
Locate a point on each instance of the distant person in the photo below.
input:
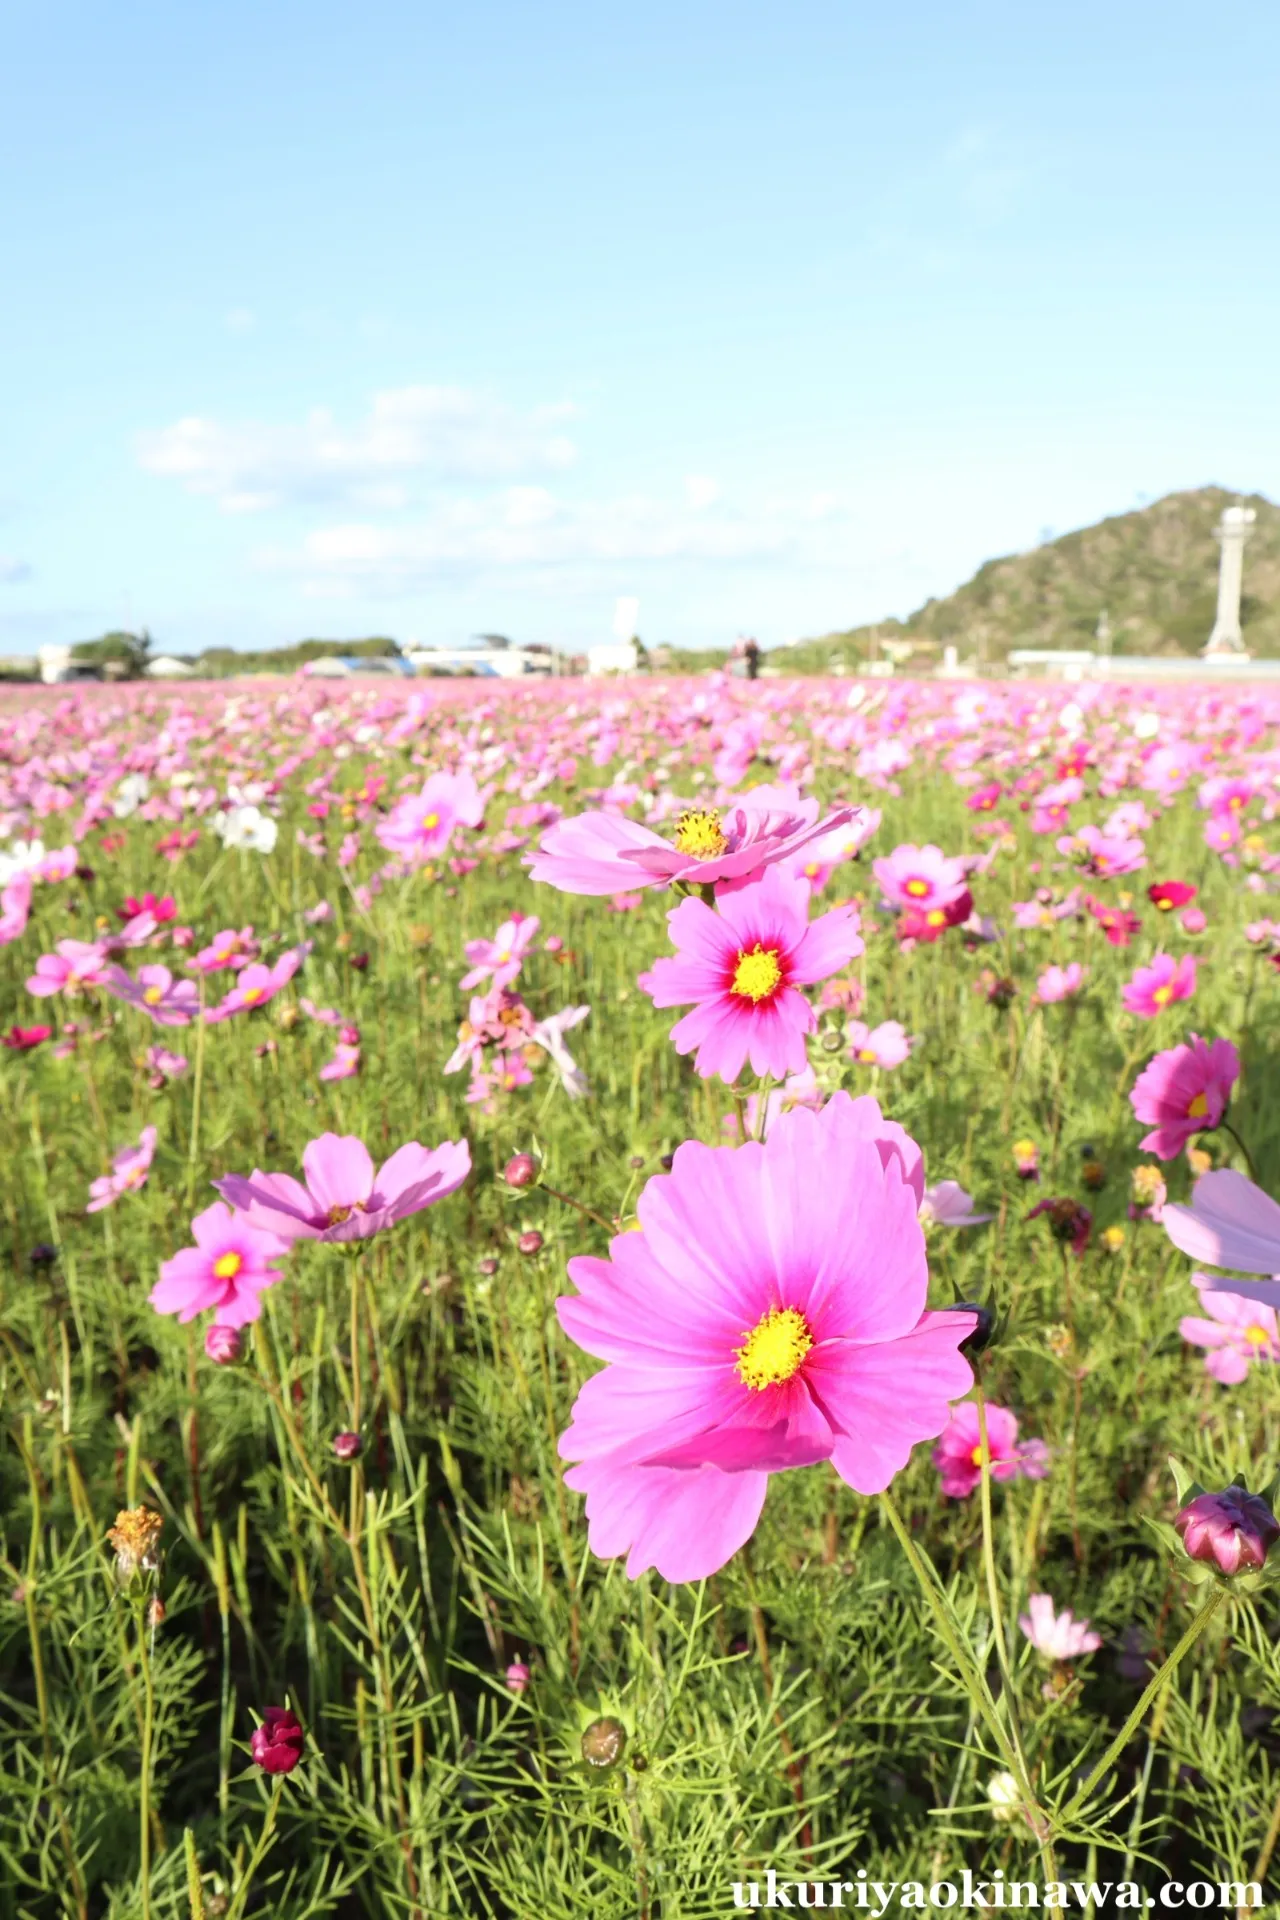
(751, 654)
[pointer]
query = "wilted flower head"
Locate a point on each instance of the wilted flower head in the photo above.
(136, 1539)
(1069, 1222)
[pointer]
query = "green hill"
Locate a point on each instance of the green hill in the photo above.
(1155, 572)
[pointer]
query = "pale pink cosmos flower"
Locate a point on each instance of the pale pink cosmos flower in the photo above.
(228, 1269)
(948, 1205)
(1184, 1091)
(887, 1045)
(598, 853)
(1058, 1636)
(227, 949)
(1104, 854)
(742, 965)
(958, 1454)
(1230, 1223)
(344, 1198)
(421, 825)
(129, 1170)
(344, 1064)
(1238, 1333)
(1154, 988)
(1059, 983)
(318, 915)
(769, 1313)
(72, 965)
(170, 1066)
(921, 877)
(15, 908)
(549, 1035)
(169, 1002)
(501, 958)
(257, 984)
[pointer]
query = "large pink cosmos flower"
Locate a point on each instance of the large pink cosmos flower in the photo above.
(742, 965)
(228, 1269)
(15, 909)
(170, 1002)
(769, 1313)
(1230, 1223)
(72, 965)
(257, 984)
(1237, 1333)
(344, 1199)
(596, 853)
(1183, 1092)
(129, 1171)
(420, 826)
(920, 877)
(1154, 988)
(503, 956)
(958, 1454)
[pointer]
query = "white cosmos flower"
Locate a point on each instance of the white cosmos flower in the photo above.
(130, 794)
(246, 827)
(549, 1035)
(20, 856)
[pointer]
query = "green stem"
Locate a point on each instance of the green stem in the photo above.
(1248, 1157)
(193, 1145)
(259, 1852)
(609, 1226)
(1149, 1693)
(148, 1735)
(993, 1585)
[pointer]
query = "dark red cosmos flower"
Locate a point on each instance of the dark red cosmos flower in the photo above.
(160, 910)
(277, 1744)
(22, 1039)
(1168, 894)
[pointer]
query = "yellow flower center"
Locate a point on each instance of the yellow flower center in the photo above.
(976, 1455)
(935, 917)
(227, 1266)
(338, 1214)
(153, 996)
(1257, 1336)
(1198, 1108)
(1024, 1149)
(251, 994)
(699, 833)
(1164, 906)
(757, 973)
(430, 820)
(774, 1349)
(869, 1055)
(918, 889)
(503, 957)
(1162, 996)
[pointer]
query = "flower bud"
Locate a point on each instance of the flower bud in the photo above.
(604, 1743)
(276, 1745)
(521, 1171)
(347, 1446)
(517, 1677)
(223, 1345)
(530, 1242)
(488, 1267)
(980, 1339)
(1233, 1530)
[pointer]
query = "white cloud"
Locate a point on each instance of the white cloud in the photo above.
(700, 491)
(12, 570)
(432, 433)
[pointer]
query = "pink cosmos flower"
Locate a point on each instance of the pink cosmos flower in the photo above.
(1104, 854)
(317, 916)
(257, 984)
(1058, 1636)
(948, 1205)
(887, 1045)
(797, 1090)
(958, 1454)
(72, 965)
(742, 965)
(1154, 988)
(769, 1313)
(920, 877)
(228, 1269)
(24, 1039)
(344, 1199)
(596, 853)
(15, 908)
(129, 1171)
(170, 1002)
(344, 1064)
(1059, 983)
(1230, 1223)
(420, 826)
(1184, 1091)
(502, 957)
(1237, 1333)
(227, 949)
(170, 1066)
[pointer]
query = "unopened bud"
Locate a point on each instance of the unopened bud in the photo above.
(530, 1242)
(347, 1446)
(980, 1339)
(223, 1345)
(604, 1743)
(521, 1170)
(1233, 1530)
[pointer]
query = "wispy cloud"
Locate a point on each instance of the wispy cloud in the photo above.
(409, 434)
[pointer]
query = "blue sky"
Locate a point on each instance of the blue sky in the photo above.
(426, 320)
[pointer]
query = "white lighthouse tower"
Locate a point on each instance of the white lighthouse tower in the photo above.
(1231, 533)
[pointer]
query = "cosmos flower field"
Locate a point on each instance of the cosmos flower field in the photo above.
(615, 1290)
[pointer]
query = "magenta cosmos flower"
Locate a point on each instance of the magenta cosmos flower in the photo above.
(742, 964)
(958, 1454)
(1058, 1636)
(502, 957)
(1154, 988)
(257, 984)
(420, 826)
(170, 1002)
(344, 1198)
(228, 1269)
(1230, 1223)
(1183, 1092)
(920, 877)
(73, 964)
(129, 1171)
(769, 1313)
(1237, 1333)
(598, 853)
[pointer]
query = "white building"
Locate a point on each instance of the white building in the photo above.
(613, 656)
